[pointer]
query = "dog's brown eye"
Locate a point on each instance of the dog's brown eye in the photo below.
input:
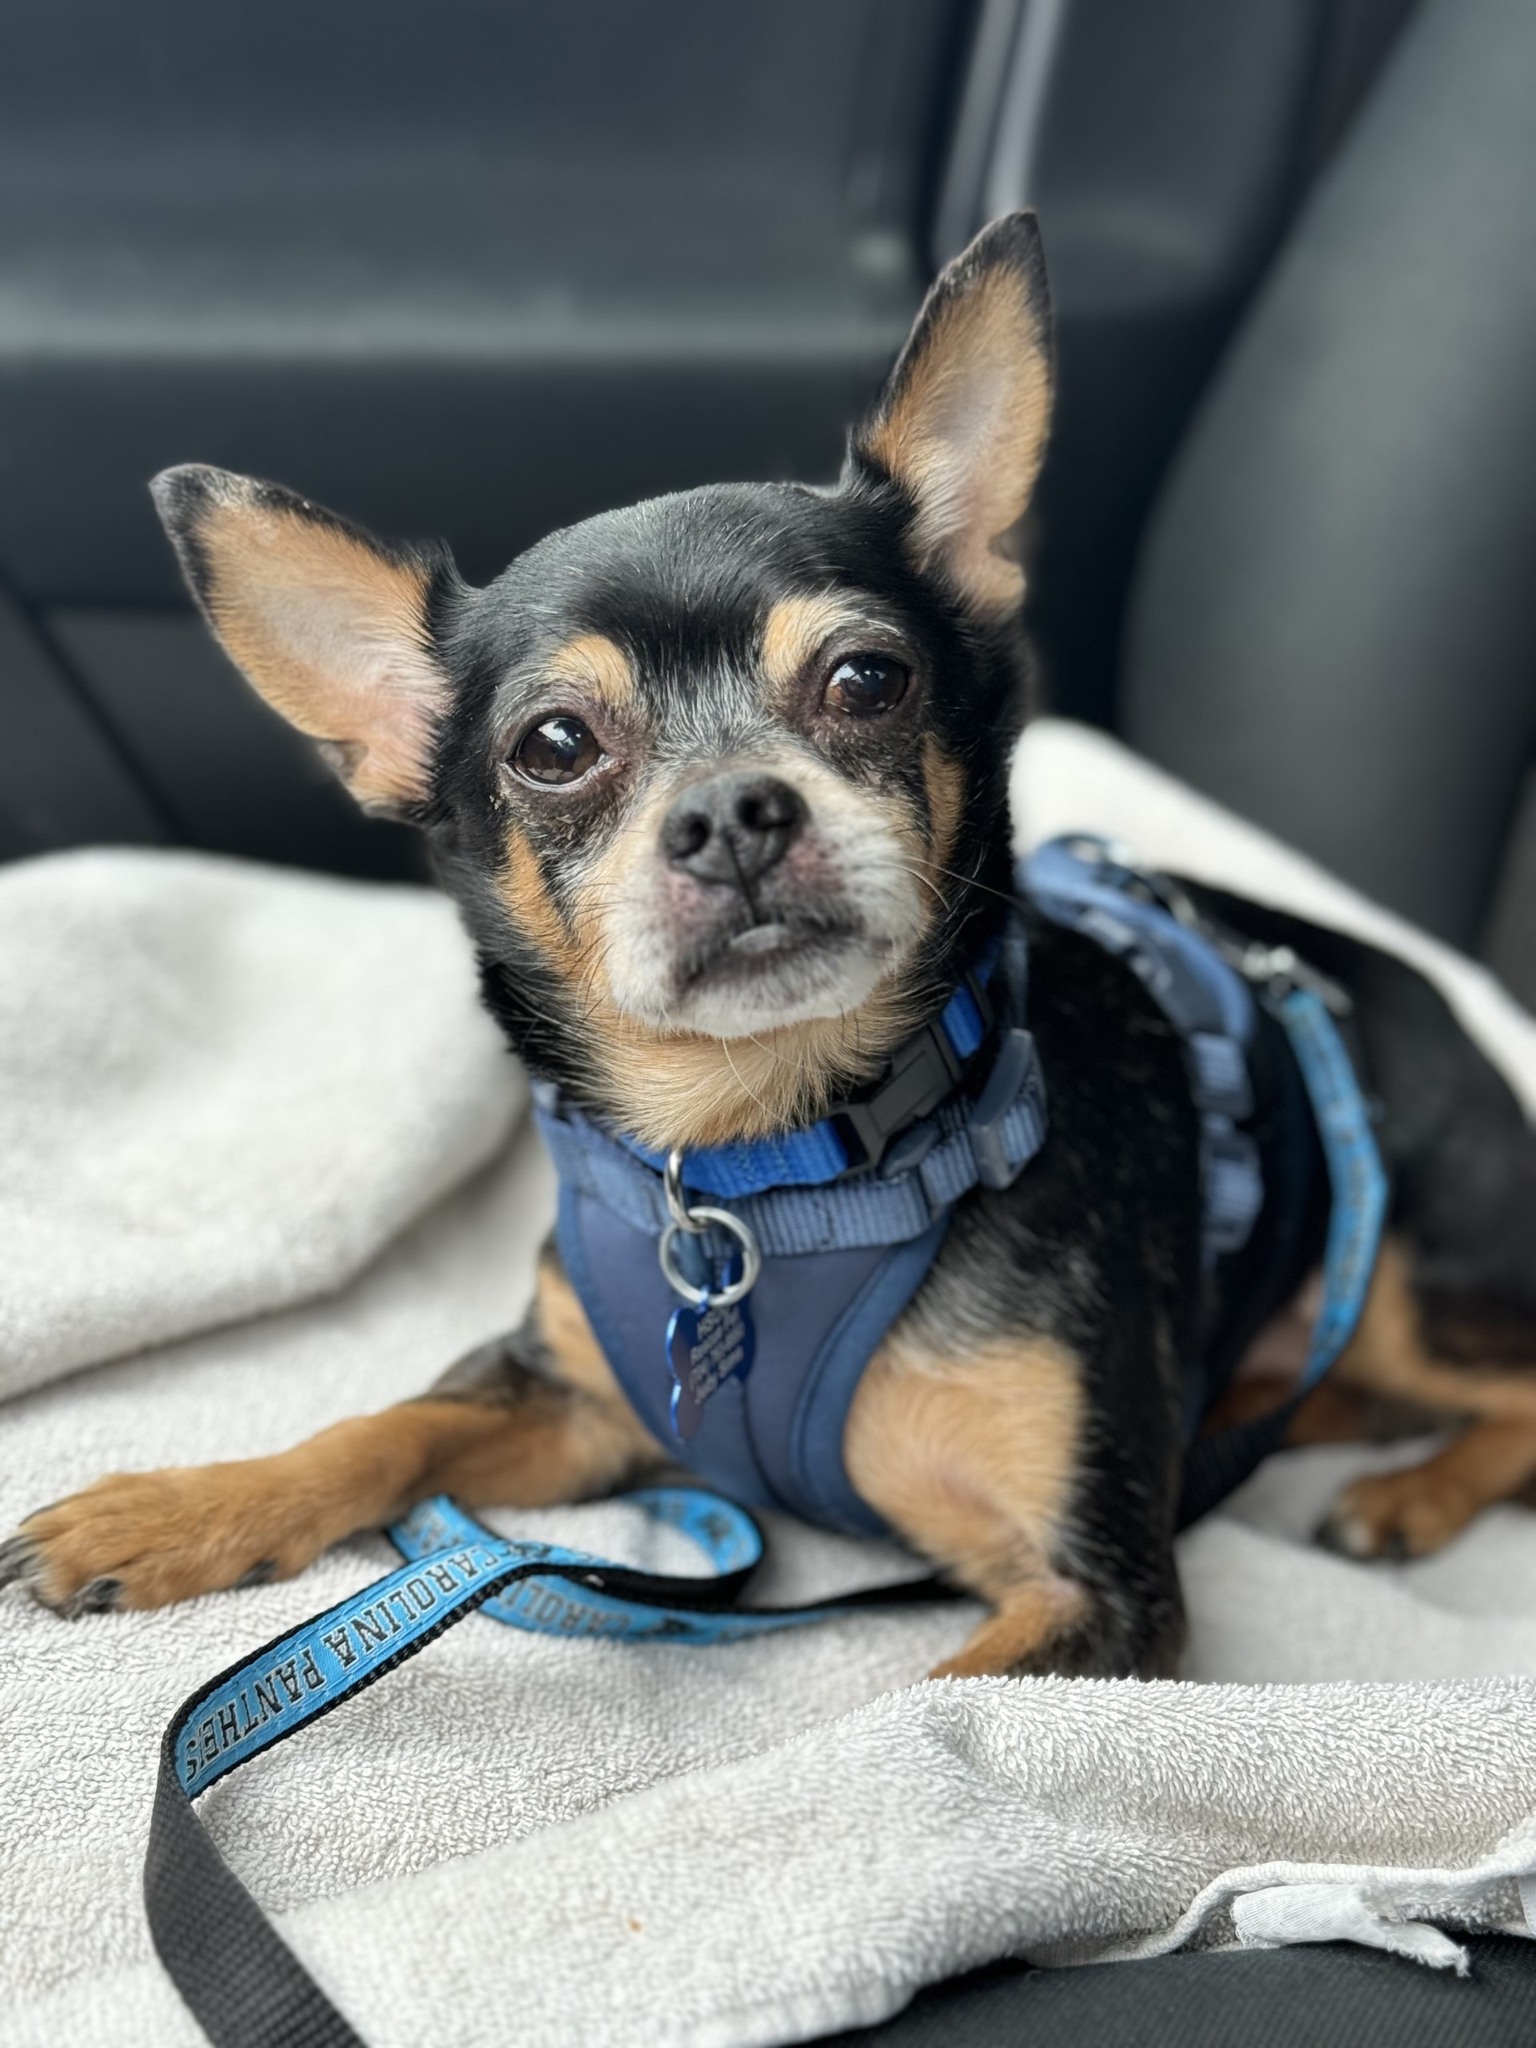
(557, 750)
(865, 684)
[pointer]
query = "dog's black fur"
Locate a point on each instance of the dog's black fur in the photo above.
(1459, 1153)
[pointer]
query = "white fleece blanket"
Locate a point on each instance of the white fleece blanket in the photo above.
(223, 1090)
(252, 1082)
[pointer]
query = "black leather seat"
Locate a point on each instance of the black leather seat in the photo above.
(474, 270)
(1333, 628)
(1336, 1996)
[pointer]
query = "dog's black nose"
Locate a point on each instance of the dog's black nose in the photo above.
(733, 828)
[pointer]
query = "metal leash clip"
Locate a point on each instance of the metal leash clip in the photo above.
(695, 1222)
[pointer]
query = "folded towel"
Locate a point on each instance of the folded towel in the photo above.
(817, 1885)
(223, 1089)
(750, 1843)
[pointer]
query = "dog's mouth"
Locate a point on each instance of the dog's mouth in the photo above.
(776, 937)
(809, 933)
(780, 968)
(769, 942)
(777, 948)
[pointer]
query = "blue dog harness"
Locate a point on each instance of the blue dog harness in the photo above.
(751, 1384)
(771, 1309)
(749, 1378)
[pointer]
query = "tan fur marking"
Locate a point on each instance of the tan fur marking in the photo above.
(332, 635)
(1388, 1356)
(973, 1461)
(567, 1335)
(595, 663)
(523, 890)
(798, 628)
(1330, 1414)
(171, 1534)
(681, 1089)
(944, 780)
(965, 431)
(533, 1458)
(1413, 1511)
(1026, 1623)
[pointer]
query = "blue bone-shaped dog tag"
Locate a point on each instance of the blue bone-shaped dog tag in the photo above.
(705, 1348)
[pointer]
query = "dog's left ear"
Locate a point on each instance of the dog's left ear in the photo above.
(961, 425)
(329, 624)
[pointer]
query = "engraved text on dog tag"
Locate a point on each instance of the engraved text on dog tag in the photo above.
(705, 1348)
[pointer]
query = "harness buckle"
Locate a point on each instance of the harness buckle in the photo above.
(1279, 969)
(923, 1073)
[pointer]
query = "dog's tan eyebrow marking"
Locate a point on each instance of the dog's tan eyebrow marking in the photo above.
(594, 662)
(796, 628)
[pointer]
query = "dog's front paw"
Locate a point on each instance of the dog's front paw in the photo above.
(144, 1539)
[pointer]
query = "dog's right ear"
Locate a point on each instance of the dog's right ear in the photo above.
(330, 626)
(962, 422)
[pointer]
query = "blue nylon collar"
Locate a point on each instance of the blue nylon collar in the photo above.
(807, 1191)
(823, 1152)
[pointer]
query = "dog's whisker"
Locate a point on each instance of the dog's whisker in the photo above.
(973, 882)
(927, 882)
(725, 1047)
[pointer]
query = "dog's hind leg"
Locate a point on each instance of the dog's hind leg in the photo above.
(527, 1421)
(1412, 1512)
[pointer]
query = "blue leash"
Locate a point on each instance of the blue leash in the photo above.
(243, 1985)
(453, 1566)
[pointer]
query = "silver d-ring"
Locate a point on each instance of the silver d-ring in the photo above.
(751, 1258)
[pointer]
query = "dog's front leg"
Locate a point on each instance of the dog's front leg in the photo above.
(977, 1461)
(526, 1421)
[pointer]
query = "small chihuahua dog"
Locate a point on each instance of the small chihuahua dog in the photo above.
(719, 784)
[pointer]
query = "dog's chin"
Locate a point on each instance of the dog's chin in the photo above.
(774, 975)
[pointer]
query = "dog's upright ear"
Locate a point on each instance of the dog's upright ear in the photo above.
(328, 625)
(961, 425)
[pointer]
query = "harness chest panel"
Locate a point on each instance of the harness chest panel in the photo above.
(764, 1438)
